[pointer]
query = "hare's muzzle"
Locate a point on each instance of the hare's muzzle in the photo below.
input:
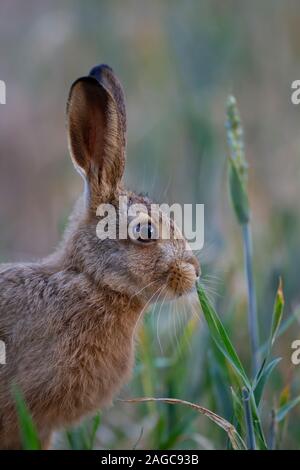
(183, 275)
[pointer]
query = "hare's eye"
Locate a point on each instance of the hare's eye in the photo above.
(145, 232)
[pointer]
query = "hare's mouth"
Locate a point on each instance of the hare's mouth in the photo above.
(182, 278)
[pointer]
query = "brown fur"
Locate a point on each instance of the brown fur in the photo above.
(68, 322)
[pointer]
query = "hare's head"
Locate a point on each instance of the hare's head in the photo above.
(144, 260)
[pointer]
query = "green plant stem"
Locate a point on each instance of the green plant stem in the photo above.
(249, 420)
(252, 309)
(272, 437)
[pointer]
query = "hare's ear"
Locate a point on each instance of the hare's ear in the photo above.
(97, 131)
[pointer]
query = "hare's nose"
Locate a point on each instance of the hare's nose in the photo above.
(191, 259)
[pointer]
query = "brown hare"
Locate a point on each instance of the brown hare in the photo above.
(69, 321)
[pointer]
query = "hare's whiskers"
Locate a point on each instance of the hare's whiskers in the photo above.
(170, 314)
(213, 277)
(177, 320)
(187, 319)
(212, 291)
(144, 308)
(210, 287)
(174, 323)
(195, 311)
(211, 282)
(141, 290)
(158, 297)
(157, 323)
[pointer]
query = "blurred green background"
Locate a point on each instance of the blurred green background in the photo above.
(178, 61)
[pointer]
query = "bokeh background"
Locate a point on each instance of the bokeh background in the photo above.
(178, 61)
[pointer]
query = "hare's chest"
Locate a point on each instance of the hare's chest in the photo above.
(100, 371)
(98, 361)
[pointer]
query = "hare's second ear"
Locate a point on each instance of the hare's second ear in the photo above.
(97, 131)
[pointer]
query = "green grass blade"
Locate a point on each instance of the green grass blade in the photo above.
(284, 398)
(275, 329)
(259, 433)
(263, 379)
(238, 410)
(267, 368)
(83, 436)
(277, 313)
(95, 426)
(218, 375)
(77, 439)
(220, 336)
(285, 409)
(223, 342)
(29, 434)
(284, 326)
(249, 420)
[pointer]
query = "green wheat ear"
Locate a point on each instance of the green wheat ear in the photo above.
(238, 179)
(238, 168)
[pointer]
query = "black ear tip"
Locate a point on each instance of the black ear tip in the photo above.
(98, 70)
